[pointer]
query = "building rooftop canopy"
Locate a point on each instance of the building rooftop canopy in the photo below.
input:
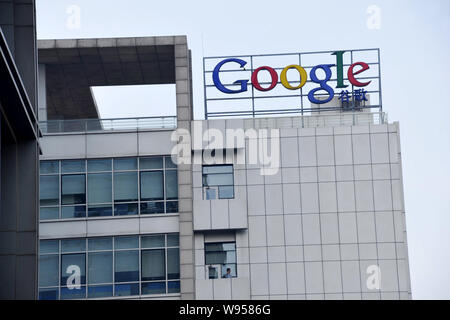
(73, 66)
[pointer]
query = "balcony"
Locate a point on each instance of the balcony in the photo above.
(108, 125)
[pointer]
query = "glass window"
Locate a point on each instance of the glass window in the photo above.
(100, 244)
(152, 185)
(125, 186)
(99, 210)
(151, 163)
(173, 240)
(171, 185)
(100, 267)
(126, 242)
(220, 177)
(171, 206)
(67, 293)
(100, 291)
(125, 164)
(48, 246)
(68, 212)
(152, 207)
(223, 254)
(69, 166)
(173, 263)
(73, 245)
(48, 294)
(156, 241)
(153, 287)
(173, 286)
(96, 165)
(99, 188)
(129, 289)
(153, 265)
(49, 167)
(48, 270)
(48, 213)
(169, 163)
(73, 189)
(226, 192)
(49, 190)
(125, 209)
(73, 269)
(126, 264)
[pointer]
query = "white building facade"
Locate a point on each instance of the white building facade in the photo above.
(122, 218)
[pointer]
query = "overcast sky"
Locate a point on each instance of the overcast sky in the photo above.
(414, 40)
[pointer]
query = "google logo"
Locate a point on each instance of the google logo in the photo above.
(353, 70)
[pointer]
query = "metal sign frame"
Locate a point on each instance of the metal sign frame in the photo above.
(300, 109)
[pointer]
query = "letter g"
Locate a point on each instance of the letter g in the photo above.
(219, 84)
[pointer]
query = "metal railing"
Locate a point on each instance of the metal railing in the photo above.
(108, 125)
(321, 120)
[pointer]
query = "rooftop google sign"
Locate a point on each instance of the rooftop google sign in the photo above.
(354, 69)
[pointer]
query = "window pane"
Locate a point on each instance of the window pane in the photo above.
(210, 194)
(125, 164)
(173, 263)
(218, 169)
(73, 245)
(171, 206)
(151, 163)
(48, 213)
(232, 270)
(48, 270)
(153, 287)
(100, 267)
(170, 163)
(219, 179)
(153, 265)
(173, 286)
(126, 265)
(99, 165)
(100, 244)
(49, 167)
(49, 190)
(73, 212)
(99, 188)
(152, 185)
(48, 294)
(215, 257)
(172, 240)
(71, 264)
(129, 289)
(126, 242)
(68, 166)
(100, 291)
(153, 241)
(125, 186)
(125, 209)
(99, 211)
(226, 192)
(152, 207)
(171, 185)
(48, 246)
(73, 189)
(67, 293)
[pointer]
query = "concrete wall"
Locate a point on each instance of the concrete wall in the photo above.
(334, 208)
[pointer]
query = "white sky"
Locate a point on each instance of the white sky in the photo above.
(414, 43)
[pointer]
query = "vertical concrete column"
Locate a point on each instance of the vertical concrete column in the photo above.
(183, 78)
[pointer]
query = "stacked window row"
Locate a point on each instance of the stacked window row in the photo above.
(109, 266)
(106, 187)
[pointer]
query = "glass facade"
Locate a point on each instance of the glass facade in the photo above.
(107, 187)
(223, 254)
(109, 266)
